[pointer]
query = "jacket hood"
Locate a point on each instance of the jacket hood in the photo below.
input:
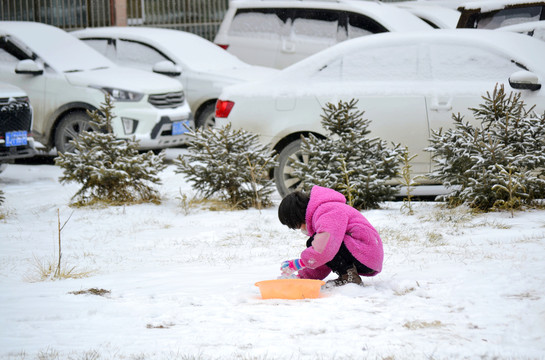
(319, 196)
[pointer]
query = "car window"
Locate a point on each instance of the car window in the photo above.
(260, 23)
(316, 24)
(6, 57)
(101, 45)
(361, 25)
(506, 17)
(460, 62)
(138, 54)
(12, 51)
(398, 63)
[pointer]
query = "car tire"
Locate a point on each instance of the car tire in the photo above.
(206, 117)
(70, 127)
(283, 177)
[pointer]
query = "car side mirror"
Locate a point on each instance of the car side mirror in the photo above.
(29, 67)
(524, 80)
(167, 68)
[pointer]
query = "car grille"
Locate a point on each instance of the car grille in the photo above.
(15, 114)
(169, 100)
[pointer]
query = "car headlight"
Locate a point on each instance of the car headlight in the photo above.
(121, 95)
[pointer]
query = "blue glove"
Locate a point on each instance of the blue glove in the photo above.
(290, 266)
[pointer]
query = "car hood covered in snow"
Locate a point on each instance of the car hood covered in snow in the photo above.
(126, 79)
(51, 43)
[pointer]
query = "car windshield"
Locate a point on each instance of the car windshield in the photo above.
(58, 49)
(506, 17)
(198, 54)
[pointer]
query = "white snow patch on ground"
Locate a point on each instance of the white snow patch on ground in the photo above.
(181, 286)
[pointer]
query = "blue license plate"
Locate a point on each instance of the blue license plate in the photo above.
(16, 138)
(180, 127)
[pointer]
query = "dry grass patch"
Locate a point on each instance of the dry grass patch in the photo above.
(91, 291)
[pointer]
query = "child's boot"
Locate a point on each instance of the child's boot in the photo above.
(351, 277)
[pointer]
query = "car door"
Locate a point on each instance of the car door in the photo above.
(387, 83)
(460, 74)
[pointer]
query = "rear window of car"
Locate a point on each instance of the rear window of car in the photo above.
(506, 17)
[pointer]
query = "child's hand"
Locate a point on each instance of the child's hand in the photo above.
(292, 276)
(290, 266)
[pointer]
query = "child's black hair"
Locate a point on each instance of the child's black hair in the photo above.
(292, 209)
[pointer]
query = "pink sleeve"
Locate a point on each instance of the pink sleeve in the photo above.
(319, 273)
(330, 226)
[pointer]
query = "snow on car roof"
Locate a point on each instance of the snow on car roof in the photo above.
(515, 45)
(491, 5)
(441, 16)
(392, 17)
(194, 51)
(520, 48)
(56, 47)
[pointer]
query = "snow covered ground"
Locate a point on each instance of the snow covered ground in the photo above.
(179, 282)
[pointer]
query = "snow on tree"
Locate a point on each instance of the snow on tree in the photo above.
(230, 164)
(501, 162)
(110, 170)
(348, 160)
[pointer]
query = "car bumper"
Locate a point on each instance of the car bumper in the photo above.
(8, 153)
(155, 128)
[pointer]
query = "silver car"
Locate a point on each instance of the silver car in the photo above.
(203, 68)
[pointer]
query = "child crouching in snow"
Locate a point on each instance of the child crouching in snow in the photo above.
(341, 239)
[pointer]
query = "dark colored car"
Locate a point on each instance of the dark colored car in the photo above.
(16, 140)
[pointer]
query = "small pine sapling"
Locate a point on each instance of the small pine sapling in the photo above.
(474, 160)
(110, 170)
(512, 186)
(407, 179)
(348, 160)
(229, 164)
(345, 186)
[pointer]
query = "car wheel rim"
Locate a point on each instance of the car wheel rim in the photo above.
(72, 131)
(291, 182)
(209, 122)
(208, 119)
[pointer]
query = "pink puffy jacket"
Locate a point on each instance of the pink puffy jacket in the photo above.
(333, 221)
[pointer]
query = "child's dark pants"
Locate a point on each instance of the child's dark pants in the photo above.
(343, 261)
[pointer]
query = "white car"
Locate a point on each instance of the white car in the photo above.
(278, 33)
(438, 17)
(203, 68)
(407, 84)
(16, 139)
(64, 77)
